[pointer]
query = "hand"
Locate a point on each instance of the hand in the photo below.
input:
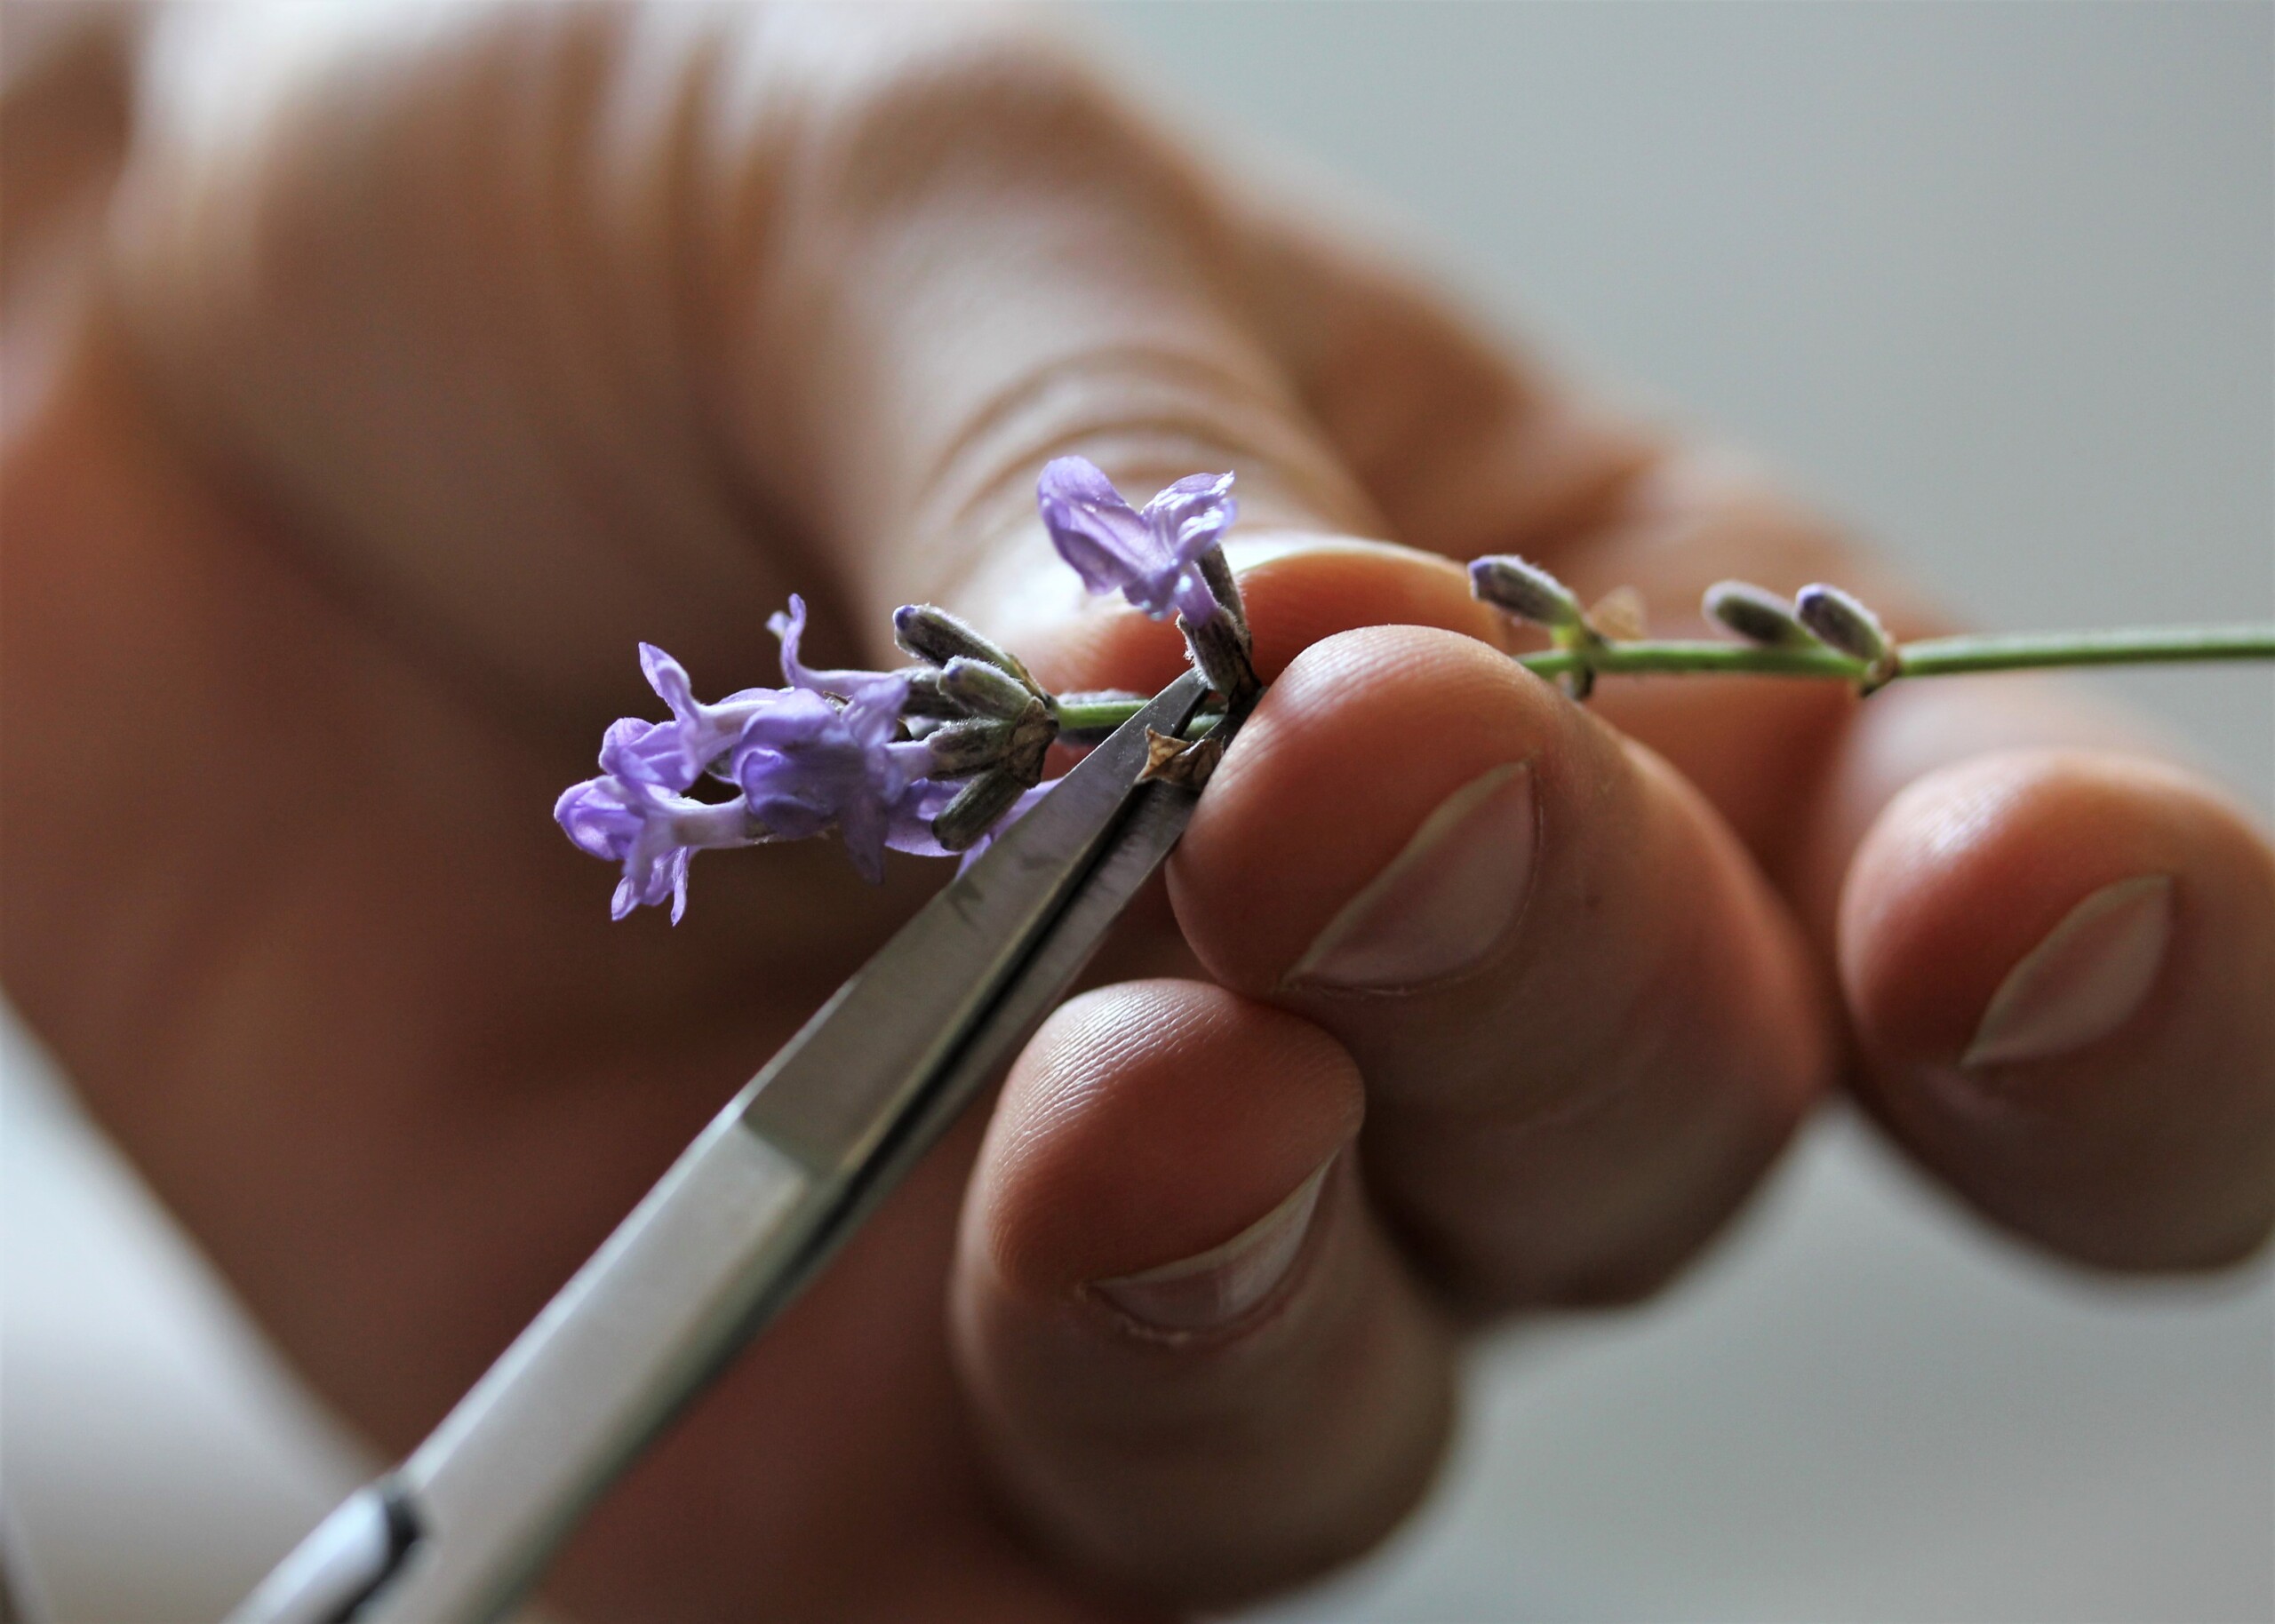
(425, 361)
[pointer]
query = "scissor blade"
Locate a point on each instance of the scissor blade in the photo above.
(1157, 817)
(715, 1249)
(841, 1084)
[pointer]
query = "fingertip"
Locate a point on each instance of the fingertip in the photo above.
(1364, 736)
(1299, 588)
(1195, 1363)
(2058, 964)
(1149, 1122)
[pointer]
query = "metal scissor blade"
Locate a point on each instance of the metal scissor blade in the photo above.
(837, 1087)
(1155, 818)
(741, 1219)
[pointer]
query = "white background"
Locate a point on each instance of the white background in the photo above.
(1998, 285)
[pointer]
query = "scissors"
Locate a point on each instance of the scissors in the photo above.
(750, 1212)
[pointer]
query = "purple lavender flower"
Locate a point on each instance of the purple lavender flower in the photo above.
(822, 752)
(875, 687)
(629, 816)
(1150, 555)
(804, 764)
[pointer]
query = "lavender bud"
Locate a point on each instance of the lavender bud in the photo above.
(1839, 622)
(1526, 591)
(976, 808)
(960, 748)
(1756, 614)
(985, 690)
(931, 633)
(925, 698)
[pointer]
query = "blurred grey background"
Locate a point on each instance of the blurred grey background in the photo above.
(1996, 283)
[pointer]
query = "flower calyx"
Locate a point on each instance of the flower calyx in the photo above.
(985, 720)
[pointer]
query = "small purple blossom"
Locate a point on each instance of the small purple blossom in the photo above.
(1150, 555)
(629, 816)
(872, 688)
(804, 764)
(822, 752)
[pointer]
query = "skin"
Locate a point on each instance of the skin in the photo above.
(386, 377)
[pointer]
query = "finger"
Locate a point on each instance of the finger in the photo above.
(2059, 965)
(1056, 278)
(1788, 765)
(1469, 445)
(1196, 1361)
(1586, 1025)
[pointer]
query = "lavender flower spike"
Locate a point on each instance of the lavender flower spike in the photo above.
(1151, 556)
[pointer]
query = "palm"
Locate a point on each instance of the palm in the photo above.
(387, 982)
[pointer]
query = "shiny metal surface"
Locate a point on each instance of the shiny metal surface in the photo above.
(837, 1089)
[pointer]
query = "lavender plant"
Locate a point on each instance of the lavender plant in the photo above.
(937, 758)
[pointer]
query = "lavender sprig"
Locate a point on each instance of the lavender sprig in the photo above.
(939, 757)
(1827, 633)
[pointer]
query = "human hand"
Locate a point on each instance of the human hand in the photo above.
(445, 361)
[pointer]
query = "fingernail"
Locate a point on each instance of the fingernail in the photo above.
(1443, 901)
(1217, 1287)
(2084, 981)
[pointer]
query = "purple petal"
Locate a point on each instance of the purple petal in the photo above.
(594, 817)
(1194, 599)
(863, 824)
(653, 752)
(911, 827)
(878, 687)
(1187, 518)
(1100, 536)
(670, 678)
(798, 718)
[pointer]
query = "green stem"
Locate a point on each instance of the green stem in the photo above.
(1934, 657)
(1099, 718)
(1949, 655)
